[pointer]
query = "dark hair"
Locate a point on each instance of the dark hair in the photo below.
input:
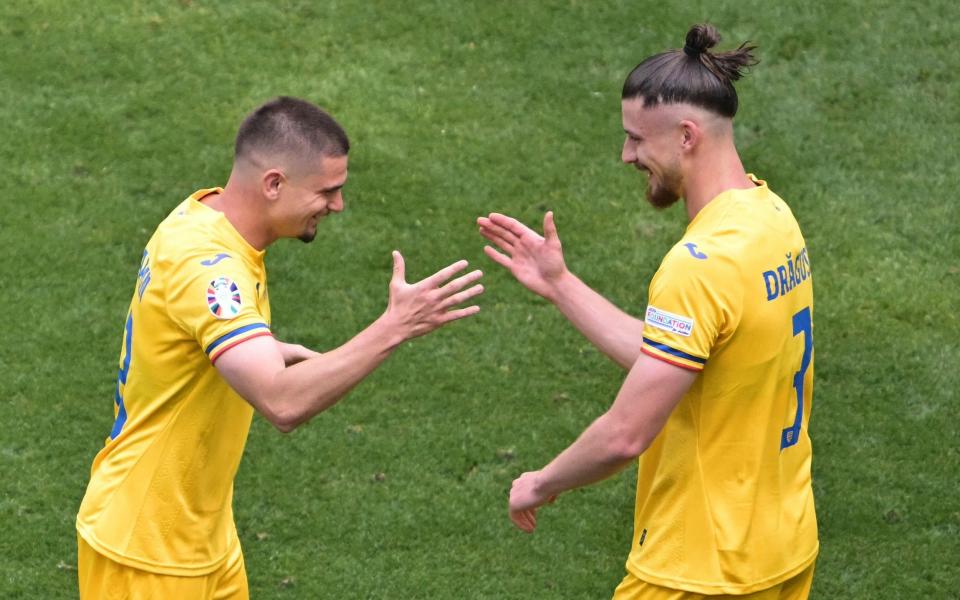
(288, 125)
(692, 75)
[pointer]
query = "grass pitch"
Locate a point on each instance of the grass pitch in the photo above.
(113, 112)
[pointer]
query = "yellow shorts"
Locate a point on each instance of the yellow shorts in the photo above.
(795, 588)
(103, 579)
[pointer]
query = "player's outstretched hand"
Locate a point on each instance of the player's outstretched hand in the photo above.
(419, 308)
(525, 500)
(536, 261)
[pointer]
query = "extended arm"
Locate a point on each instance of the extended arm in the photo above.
(290, 395)
(649, 394)
(537, 262)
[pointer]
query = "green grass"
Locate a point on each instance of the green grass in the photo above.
(113, 112)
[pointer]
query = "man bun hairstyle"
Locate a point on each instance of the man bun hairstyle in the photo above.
(290, 127)
(693, 74)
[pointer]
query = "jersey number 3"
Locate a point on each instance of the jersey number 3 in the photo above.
(802, 323)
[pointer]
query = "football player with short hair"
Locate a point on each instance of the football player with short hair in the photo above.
(198, 357)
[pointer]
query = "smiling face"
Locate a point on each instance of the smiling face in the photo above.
(304, 196)
(653, 146)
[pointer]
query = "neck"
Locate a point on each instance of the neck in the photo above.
(712, 172)
(242, 210)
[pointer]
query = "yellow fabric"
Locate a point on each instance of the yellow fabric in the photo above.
(103, 579)
(724, 500)
(160, 491)
(795, 588)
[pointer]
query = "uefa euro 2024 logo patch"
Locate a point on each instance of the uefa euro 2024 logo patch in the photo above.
(223, 298)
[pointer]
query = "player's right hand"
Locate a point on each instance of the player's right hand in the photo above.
(419, 308)
(536, 261)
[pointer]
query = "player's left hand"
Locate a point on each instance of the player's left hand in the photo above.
(525, 499)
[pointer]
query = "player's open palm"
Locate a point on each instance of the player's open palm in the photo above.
(419, 308)
(536, 261)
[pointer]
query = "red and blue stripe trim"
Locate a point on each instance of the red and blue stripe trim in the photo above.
(674, 351)
(239, 331)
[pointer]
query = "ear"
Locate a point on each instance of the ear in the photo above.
(270, 182)
(690, 135)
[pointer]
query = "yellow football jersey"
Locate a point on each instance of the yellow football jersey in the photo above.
(724, 499)
(160, 491)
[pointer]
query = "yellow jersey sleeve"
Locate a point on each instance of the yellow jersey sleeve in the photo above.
(216, 299)
(694, 303)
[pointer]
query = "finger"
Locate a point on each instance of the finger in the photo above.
(494, 235)
(521, 519)
(549, 227)
(530, 516)
(463, 296)
(499, 240)
(501, 259)
(461, 282)
(399, 268)
(445, 273)
(460, 313)
(503, 232)
(512, 225)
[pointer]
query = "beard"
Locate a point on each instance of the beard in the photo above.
(307, 236)
(666, 192)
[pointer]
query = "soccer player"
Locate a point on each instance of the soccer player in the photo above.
(717, 399)
(198, 358)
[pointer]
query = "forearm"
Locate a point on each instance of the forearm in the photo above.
(612, 331)
(306, 388)
(601, 451)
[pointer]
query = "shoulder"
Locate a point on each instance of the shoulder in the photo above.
(188, 239)
(700, 256)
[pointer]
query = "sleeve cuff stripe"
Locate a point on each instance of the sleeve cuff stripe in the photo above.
(672, 362)
(219, 353)
(674, 352)
(239, 331)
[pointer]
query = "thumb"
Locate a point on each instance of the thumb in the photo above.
(399, 269)
(549, 227)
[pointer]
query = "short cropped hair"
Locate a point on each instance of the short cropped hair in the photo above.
(692, 75)
(290, 126)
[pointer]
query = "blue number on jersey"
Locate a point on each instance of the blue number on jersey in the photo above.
(122, 378)
(802, 323)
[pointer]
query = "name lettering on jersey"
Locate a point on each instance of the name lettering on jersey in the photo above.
(694, 252)
(783, 279)
(223, 298)
(215, 259)
(667, 321)
(643, 536)
(143, 276)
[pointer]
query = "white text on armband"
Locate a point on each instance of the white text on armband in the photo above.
(786, 277)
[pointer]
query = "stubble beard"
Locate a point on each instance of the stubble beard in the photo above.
(666, 192)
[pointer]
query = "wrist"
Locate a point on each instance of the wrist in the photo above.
(390, 330)
(562, 287)
(542, 487)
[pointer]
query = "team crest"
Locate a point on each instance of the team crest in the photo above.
(223, 298)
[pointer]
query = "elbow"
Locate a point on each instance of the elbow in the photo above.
(287, 422)
(627, 445)
(625, 450)
(283, 419)
(284, 425)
